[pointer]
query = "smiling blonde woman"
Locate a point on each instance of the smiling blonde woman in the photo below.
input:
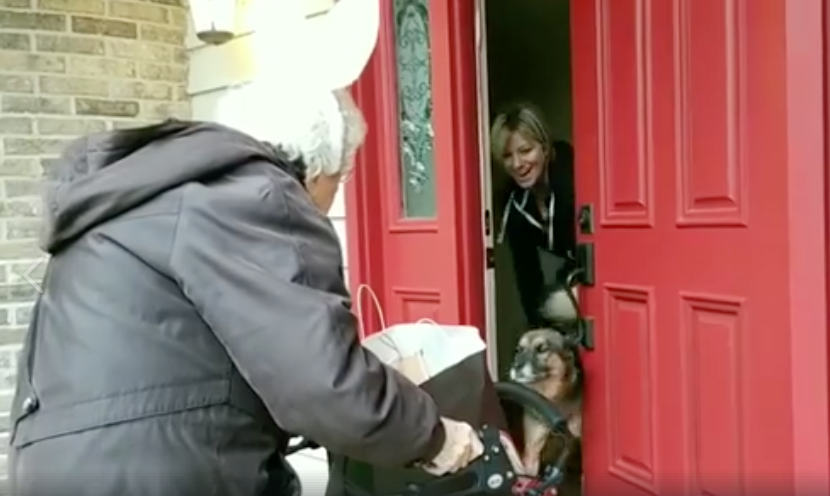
(539, 219)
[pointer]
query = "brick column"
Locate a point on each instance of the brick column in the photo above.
(70, 67)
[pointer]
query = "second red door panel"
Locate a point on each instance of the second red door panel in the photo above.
(688, 300)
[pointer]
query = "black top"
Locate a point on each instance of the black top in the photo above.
(526, 236)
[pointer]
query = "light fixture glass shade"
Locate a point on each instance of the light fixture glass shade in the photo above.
(214, 20)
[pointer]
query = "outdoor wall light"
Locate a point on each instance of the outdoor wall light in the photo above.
(214, 20)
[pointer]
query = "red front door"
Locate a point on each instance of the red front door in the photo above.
(698, 128)
(698, 141)
(414, 208)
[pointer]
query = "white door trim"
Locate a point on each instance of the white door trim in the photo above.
(483, 95)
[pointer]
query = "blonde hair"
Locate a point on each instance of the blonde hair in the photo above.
(523, 118)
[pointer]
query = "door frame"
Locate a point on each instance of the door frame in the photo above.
(806, 54)
(826, 33)
(491, 224)
(454, 87)
(364, 228)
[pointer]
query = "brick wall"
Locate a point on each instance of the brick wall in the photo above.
(69, 67)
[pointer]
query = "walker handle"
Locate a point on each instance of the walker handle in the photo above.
(491, 474)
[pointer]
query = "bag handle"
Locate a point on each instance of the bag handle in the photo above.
(432, 322)
(378, 309)
(576, 338)
(428, 321)
(362, 330)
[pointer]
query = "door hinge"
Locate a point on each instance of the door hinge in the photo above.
(488, 223)
(585, 219)
(585, 261)
(490, 257)
(586, 333)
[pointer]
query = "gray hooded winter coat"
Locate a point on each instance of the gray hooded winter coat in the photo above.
(193, 312)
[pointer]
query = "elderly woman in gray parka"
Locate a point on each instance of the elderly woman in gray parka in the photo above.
(194, 312)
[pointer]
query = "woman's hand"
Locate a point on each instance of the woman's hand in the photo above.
(462, 445)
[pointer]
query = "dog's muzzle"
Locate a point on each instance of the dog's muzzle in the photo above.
(527, 368)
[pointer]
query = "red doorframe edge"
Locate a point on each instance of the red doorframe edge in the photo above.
(469, 219)
(364, 234)
(364, 219)
(804, 36)
(826, 35)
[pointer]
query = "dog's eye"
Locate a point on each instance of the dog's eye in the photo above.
(540, 348)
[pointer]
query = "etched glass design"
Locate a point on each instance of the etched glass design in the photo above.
(412, 55)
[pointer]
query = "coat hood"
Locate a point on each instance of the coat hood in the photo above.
(104, 175)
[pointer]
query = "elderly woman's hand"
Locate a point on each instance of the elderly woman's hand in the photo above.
(462, 445)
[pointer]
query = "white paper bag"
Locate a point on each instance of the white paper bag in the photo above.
(419, 350)
(448, 362)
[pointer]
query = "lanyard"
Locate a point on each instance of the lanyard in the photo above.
(520, 207)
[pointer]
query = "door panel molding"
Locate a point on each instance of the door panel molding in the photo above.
(626, 154)
(630, 418)
(711, 114)
(714, 333)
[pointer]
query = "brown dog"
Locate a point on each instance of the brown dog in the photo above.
(546, 362)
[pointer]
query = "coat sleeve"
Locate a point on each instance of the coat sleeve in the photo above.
(263, 269)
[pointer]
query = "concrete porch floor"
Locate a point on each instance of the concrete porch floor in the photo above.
(312, 468)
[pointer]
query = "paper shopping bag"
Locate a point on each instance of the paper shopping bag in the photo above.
(448, 362)
(440, 358)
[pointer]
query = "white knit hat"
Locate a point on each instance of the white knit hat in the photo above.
(299, 65)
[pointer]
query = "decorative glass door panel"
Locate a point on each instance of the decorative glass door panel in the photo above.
(417, 150)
